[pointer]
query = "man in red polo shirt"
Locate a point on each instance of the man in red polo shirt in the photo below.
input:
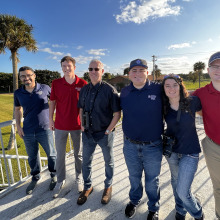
(64, 98)
(210, 99)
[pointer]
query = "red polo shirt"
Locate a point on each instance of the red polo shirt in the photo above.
(210, 99)
(66, 96)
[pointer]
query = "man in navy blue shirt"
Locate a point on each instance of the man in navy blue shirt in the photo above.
(33, 99)
(142, 126)
(100, 111)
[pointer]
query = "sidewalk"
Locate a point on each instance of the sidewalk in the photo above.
(41, 205)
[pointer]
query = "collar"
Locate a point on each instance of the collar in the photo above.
(146, 86)
(96, 86)
(211, 89)
(37, 88)
(74, 83)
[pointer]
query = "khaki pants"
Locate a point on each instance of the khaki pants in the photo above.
(211, 152)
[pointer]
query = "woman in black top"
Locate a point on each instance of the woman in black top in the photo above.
(179, 114)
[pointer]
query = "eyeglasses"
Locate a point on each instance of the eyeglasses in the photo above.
(26, 76)
(171, 76)
(96, 69)
(215, 67)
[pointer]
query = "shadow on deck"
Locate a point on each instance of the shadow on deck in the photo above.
(41, 205)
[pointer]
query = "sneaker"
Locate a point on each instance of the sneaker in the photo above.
(53, 183)
(107, 195)
(130, 210)
(178, 216)
(58, 188)
(153, 215)
(80, 185)
(84, 195)
(31, 187)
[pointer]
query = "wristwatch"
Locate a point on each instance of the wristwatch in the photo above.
(107, 131)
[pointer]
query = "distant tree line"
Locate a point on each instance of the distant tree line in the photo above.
(42, 76)
(106, 76)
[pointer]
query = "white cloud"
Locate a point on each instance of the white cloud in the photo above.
(59, 45)
(98, 52)
(187, 0)
(82, 59)
(138, 14)
(174, 65)
(179, 46)
(79, 47)
(48, 50)
(210, 40)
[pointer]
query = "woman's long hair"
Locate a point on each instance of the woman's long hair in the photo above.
(184, 103)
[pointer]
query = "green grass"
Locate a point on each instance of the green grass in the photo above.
(6, 114)
(193, 86)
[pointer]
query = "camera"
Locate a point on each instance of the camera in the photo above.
(85, 120)
(168, 143)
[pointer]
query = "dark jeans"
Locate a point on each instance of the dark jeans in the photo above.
(32, 141)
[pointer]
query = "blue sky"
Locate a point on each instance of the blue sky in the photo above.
(178, 32)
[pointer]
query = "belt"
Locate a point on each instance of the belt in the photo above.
(138, 142)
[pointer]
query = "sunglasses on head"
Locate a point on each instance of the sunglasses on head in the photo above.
(91, 69)
(171, 76)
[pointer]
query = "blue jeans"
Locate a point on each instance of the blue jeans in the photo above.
(32, 141)
(145, 158)
(89, 145)
(183, 168)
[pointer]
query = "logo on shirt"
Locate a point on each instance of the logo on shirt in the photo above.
(152, 97)
(39, 93)
(78, 89)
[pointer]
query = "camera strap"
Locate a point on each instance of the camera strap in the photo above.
(93, 100)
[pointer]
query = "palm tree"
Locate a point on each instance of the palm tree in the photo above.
(15, 33)
(199, 67)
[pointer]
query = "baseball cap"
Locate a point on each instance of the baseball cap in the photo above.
(138, 62)
(215, 56)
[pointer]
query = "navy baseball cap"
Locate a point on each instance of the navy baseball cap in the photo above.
(215, 56)
(138, 62)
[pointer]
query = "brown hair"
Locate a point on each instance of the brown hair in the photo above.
(68, 58)
(184, 94)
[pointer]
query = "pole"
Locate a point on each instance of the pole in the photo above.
(154, 59)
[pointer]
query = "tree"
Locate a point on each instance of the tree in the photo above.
(6, 82)
(86, 77)
(198, 68)
(126, 71)
(46, 76)
(15, 33)
(193, 76)
(106, 76)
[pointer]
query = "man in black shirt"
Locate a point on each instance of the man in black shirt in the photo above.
(99, 113)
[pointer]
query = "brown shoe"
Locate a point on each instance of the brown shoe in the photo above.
(107, 195)
(83, 196)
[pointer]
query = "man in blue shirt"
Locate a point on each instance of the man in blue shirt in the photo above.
(33, 99)
(142, 126)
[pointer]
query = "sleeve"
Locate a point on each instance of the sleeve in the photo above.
(48, 91)
(197, 103)
(81, 94)
(52, 94)
(115, 101)
(16, 100)
(195, 93)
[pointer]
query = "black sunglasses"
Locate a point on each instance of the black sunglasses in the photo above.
(91, 69)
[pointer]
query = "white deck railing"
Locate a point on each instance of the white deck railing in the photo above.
(7, 167)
